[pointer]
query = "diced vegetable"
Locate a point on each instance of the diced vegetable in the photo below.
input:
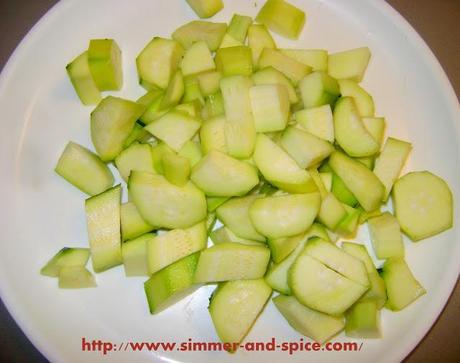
(166, 205)
(132, 223)
(270, 75)
(136, 157)
(364, 184)
(386, 236)
(66, 257)
(270, 107)
(292, 69)
(282, 18)
(259, 38)
(363, 320)
(158, 61)
(318, 89)
(112, 122)
(402, 287)
(84, 169)
(211, 33)
(197, 59)
(103, 223)
(314, 58)
(232, 261)
(206, 8)
(238, 27)
(284, 216)
(235, 306)
(82, 80)
(172, 284)
(134, 253)
(317, 121)
(220, 175)
(75, 277)
(423, 204)
(363, 100)
(311, 323)
(389, 164)
(104, 60)
(164, 249)
(349, 64)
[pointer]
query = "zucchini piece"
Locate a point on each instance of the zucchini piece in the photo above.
(212, 135)
(350, 64)
(292, 69)
(233, 61)
(234, 214)
(166, 205)
(270, 75)
(305, 148)
(220, 175)
(192, 91)
(157, 153)
(132, 223)
(82, 80)
(282, 18)
(134, 254)
(240, 132)
(171, 284)
(284, 216)
(363, 100)
(332, 212)
(311, 323)
(362, 182)
(258, 39)
(390, 162)
(232, 261)
(377, 290)
(376, 127)
(67, 256)
(234, 307)
(238, 27)
(173, 92)
(84, 169)
(348, 226)
(326, 178)
(209, 82)
(363, 320)
(317, 121)
(365, 216)
(214, 106)
(104, 61)
(228, 41)
(192, 152)
(277, 275)
(270, 107)
(402, 287)
(136, 157)
(206, 8)
(317, 89)
(75, 277)
(197, 59)
(176, 169)
(103, 223)
(174, 128)
(165, 249)
(314, 58)
(386, 236)
(158, 61)
(336, 259)
(350, 132)
(340, 190)
(194, 31)
(192, 108)
(225, 235)
(112, 121)
(320, 288)
(423, 205)
(279, 168)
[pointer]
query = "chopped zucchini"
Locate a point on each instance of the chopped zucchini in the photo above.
(270, 107)
(134, 254)
(258, 39)
(197, 59)
(196, 30)
(238, 27)
(233, 61)
(314, 58)
(206, 8)
(166, 205)
(132, 223)
(292, 69)
(82, 80)
(363, 320)
(282, 18)
(386, 236)
(103, 223)
(317, 121)
(317, 89)
(136, 157)
(75, 277)
(66, 257)
(84, 169)
(350, 64)
(104, 60)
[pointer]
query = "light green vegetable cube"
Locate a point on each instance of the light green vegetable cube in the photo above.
(104, 60)
(270, 107)
(350, 64)
(206, 8)
(234, 61)
(82, 80)
(386, 236)
(282, 18)
(197, 59)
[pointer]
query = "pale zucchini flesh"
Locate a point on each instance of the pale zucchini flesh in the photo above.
(104, 60)
(67, 256)
(75, 277)
(132, 223)
(134, 253)
(82, 80)
(235, 306)
(386, 236)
